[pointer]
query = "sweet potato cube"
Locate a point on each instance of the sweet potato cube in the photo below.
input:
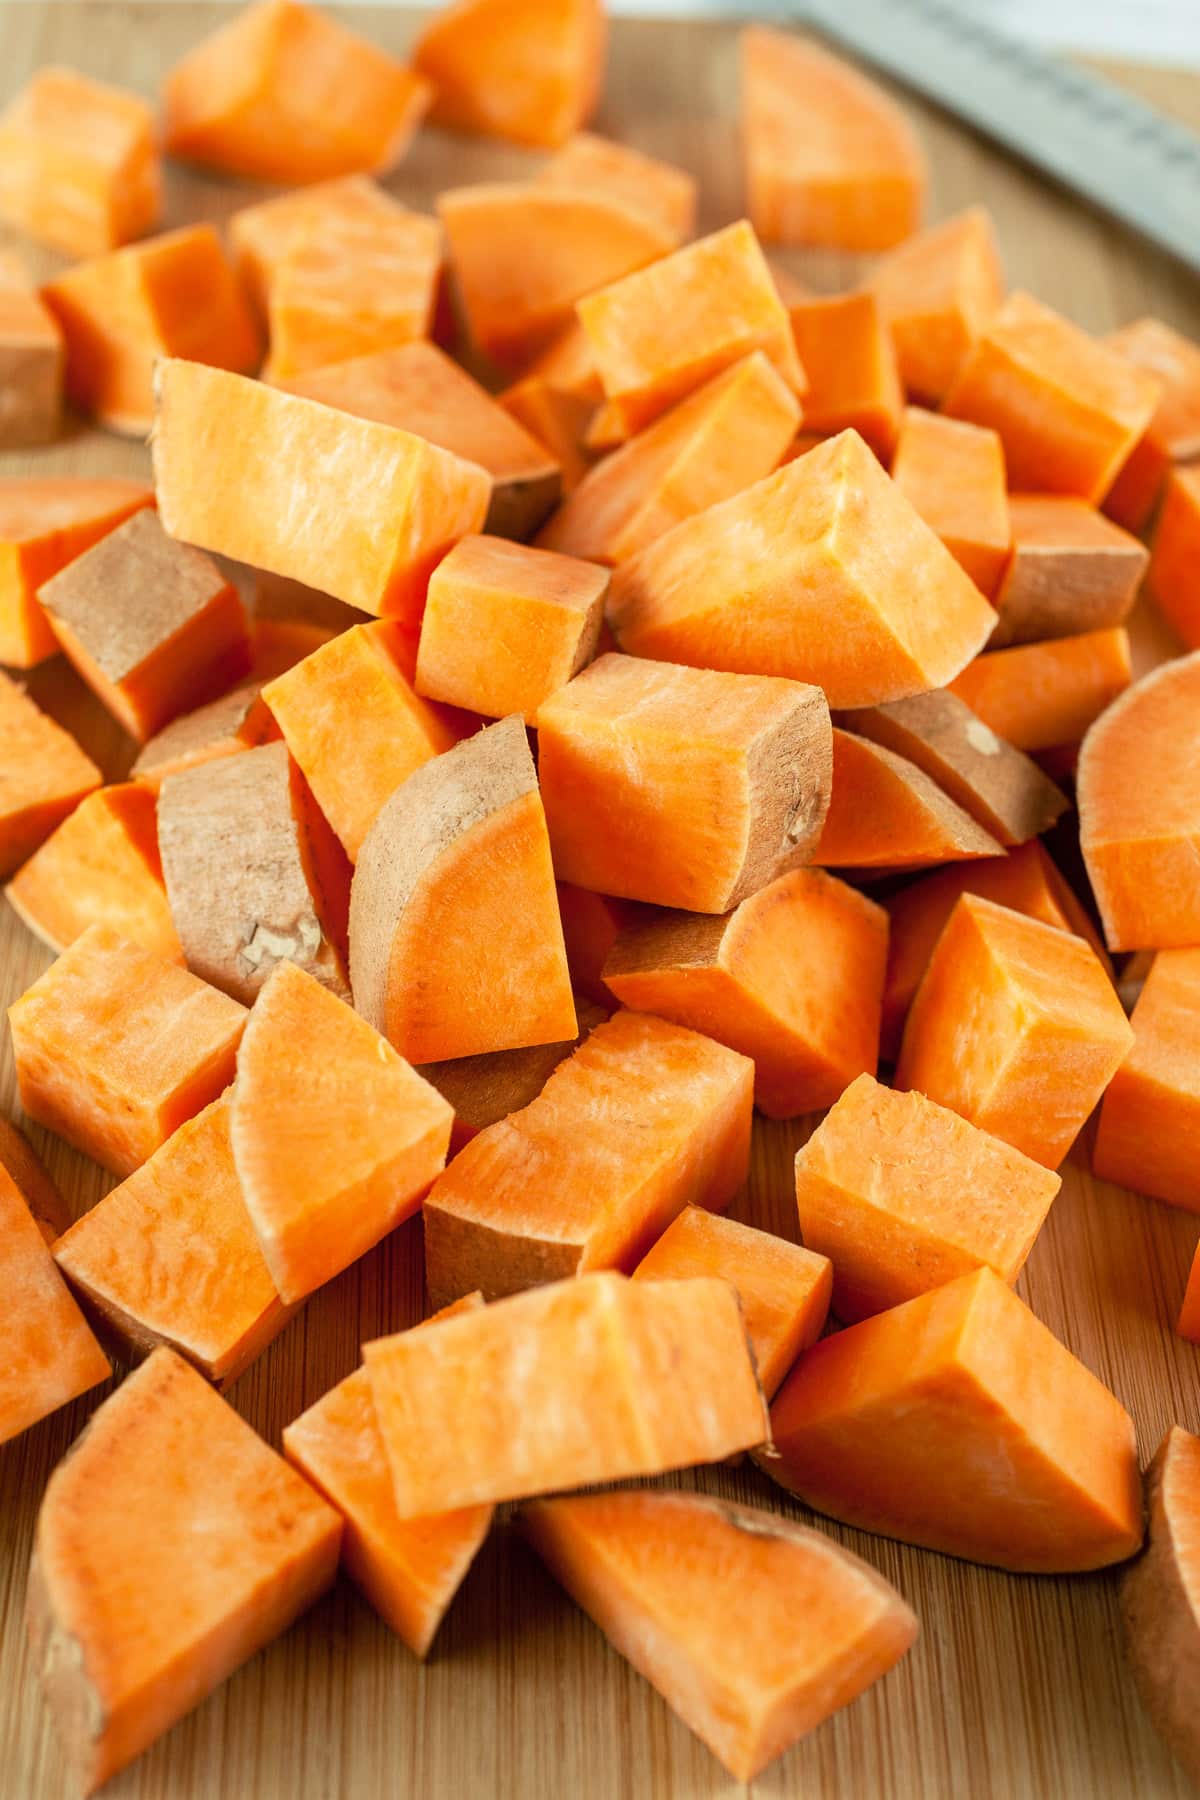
(1173, 434)
(557, 419)
(120, 313)
(1068, 410)
(263, 236)
(960, 1423)
(409, 1569)
(1016, 1027)
(644, 1119)
(31, 360)
(51, 1214)
(937, 291)
(1149, 1132)
(239, 720)
(485, 1089)
(1071, 570)
(1039, 696)
(953, 474)
(43, 775)
(115, 1048)
(828, 156)
(285, 93)
(101, 866)
(1175, 566)
(886, 813)
(170, 1257)
(45, 521)
(623, 1377)
(666, 195)
(79, 164)
(850, 369)
(1159, 1608)
(369, 535)
(241, 1545)
(792, 978)
(784, 1290)
(625, 749)
(506, 626)
(532, 73)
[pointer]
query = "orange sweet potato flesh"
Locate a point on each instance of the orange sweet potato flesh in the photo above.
(18, 1157)
(1149, 1132)
(1071, 571)
(886, 813)
(1040, 696)
(320, 1197)
(1174, 579)
(953, 473)
(409, 1569)
(285, 93)
(49, 1354)
(239, 720)
(853, 381)
(44, 776)
(829, 158)
(1173, 434)
(784, 1289)
(557, 419)
(46, 521)
(582, 1381)
(644, 1119)
(1160, 1600)
(485, 1089)
(531, 71)
(662, 1573)
(792, 978)
(1139, 810)
(263, 236)
(237, 1540)
(567, 364)
(1016, 1026)
(937, 291)
(591, 924)
(664, 193)
(755, 583)
(170, 1257)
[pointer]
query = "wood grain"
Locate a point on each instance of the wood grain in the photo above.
(1016, 1688)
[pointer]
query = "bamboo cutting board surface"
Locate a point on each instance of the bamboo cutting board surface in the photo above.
(1016, 1688)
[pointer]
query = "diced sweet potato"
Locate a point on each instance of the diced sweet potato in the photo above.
(263, 236)
(45, 521)
(1159, 1607)
(591, 924)
(557, 419)
(1149, 1132)
(937, 291)
(43, 775)
(852, 381)
(953, 474)
(31, 358)
(886, 813)
(1173, 434)
(665, 194)
(485, 1089)
(1039, 696)
(566, 363)
(531, 71)
(1175, 566)
(1071, 570)
(51, 1214)
(239, 720)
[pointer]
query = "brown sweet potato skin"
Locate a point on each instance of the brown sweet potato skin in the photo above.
(1161, 1618)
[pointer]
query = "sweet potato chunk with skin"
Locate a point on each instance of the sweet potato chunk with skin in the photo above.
(1071, 570)
(754, 583)
(937, 291)
(1149, 1132)
(959, 1422)
(784, 1290)
(263, 236)
(953, 474)
(1175, 566)
(886, 813)
(852, 382)
(175, 294)
(369, 534)
(285, 93)
(45, 521)
(409, 1569)
(1068, 410)
(79, 164)
(644, 1119)
(1173, 434)
(253, 872)
(239, 720)
(18, 1157)
(506, 626)
(792, 978)
(627, 747)
(43, 775)
(101, 866)
(485, 1089)
(459, 858)
(48, 1355)
(1138, 792)
(1039, 696)
(170, 1257)
(624, 1378)
(665, 194)
(241, 1545)
(530, 71)
(1160, 1600)
(31, 360)
(1016, 1027)
(903, 1196)
(305, 1058)
(114, 1048)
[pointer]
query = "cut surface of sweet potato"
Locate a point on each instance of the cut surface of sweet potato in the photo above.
(45, 521)
(239, 720)
(666, 195)
(38, 1190)
(485, 1089)
(937, 291)
(851, 378)
(43, 775)
(953, 473)
(263, 235)
(1173, 580)
(528, 70)
(1173, 434)
(886, 813)
(1148, 1137)
(1041, 696)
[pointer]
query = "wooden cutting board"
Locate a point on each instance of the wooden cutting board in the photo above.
(1016, 1689)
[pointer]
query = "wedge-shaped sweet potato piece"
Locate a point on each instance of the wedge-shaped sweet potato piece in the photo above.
(626, 748)
(43, 775)
(557, 419)
(1068, 410)
(1175, 566)
(886, 813)
(784, 1290)
(1040, 696)
(1149, 1133)
(79, 164)
(660, 332)
(485, 1089)
(239, 720)
(1139, 810)
(665, 194)
(662, 1573)
(31, 359)
(101, 866)
(1016, 1026)
(524, 252)
(903, 1196)
(792, 978)
(1071, 570)
(45, 521)
(253, 872)
(419, 389)
(170, 1257)
(119, 314)
(531, 71)
(1001, 788)
(959, 1422)
(409, 1569)
(852, 381)
(937, 291)
(286, 93)
(622, 1378)
(47, 1352)
(131, 1627)
(115, 1047)
(644, 1119)
(729, 433)
(953, 474)
(787, 579)
(51, 1214)
(1173, 434)
(370, 536)
(455, 941)
(1160, 1600)
(263, 236)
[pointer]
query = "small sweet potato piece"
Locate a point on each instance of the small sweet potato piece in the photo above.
(1174, 581)
(18, 1157)
(45, 521)
(937, 292)
(852, 381)
(665, 194)
(1149, 1132)
(485, 1089)
(1071, 570)
(1040, 696)
(953, 474)
(886, 813)
(591, 924)
(239, 720)
(43, 775)
(31, 358)
(1173, 434)
(557, 419)
(263, 236)
(1159, 1606)
(532, 72)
